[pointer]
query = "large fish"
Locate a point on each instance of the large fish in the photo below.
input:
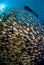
(29, 9)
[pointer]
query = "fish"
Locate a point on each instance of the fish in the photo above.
(30, 10)
(20, 44)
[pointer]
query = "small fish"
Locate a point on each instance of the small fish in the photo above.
(29, 9)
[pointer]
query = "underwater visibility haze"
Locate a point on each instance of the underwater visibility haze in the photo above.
(21, 32)
(36, 5)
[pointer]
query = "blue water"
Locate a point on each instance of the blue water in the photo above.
(36, 5)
